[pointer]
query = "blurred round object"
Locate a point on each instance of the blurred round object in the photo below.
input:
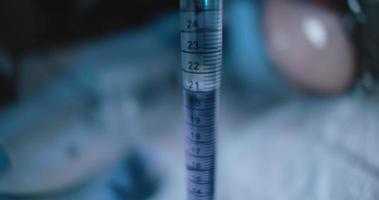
(309, 46)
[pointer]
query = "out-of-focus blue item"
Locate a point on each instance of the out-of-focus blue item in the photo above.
(249, 59)
(79, 111)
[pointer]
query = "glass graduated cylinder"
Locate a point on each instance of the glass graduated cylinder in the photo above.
(201, 47)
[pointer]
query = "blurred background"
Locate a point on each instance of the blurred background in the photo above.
(90, 100)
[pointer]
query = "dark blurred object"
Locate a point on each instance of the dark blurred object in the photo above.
(7, 77)
(367, 17)
(139, 180)
(41, 23)
(337, 5)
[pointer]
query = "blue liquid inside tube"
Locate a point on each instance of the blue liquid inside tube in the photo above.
(201, 36)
